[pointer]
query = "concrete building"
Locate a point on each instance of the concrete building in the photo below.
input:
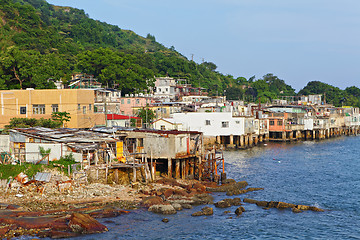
(167, 124)
(131, 102)
(40, 103)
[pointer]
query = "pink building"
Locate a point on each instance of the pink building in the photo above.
(128, 103)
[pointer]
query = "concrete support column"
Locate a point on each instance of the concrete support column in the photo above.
(261, 138)
(251, 140)
(246, 140)
(242, 141)
(231, 139)
(283, 136)
(314, 135)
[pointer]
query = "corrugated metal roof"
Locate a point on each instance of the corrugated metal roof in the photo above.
(42, 177)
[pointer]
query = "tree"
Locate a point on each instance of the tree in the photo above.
(61, 117)
(32, 122)
(147, 115)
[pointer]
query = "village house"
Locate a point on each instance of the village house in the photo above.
(41, 103)
(132, 102)
(165, 89)
(167, 124)
(118, 120)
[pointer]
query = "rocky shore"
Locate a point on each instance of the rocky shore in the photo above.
(72, 212)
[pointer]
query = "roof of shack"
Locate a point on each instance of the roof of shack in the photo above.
(66, 135)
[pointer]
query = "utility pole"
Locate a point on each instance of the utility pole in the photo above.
(105, 110)
(192, 57)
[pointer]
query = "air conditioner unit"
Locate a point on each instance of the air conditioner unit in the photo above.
(126, 95)
(136, 95)
(131, 95)
(141, 94)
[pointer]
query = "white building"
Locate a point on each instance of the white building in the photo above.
(165, 88)
(167, 124)
(212, 123)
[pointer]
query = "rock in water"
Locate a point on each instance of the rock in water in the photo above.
(162, 209)
(83, 223)
(204, 211)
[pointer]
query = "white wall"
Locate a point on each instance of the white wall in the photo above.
(4, 143)
(308, 124)
(33, 152)
(196, 122)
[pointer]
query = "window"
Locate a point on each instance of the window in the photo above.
(279, 122)
(89, 107)
(271, 123)
(207, 122)
(237, 122)
(224, 124)
(162, 127)
(84, 110)
(55, 107)
(22, 110)
(79, 107)
(122, 101)
(39, 109)
(128, 101)
(137, 101)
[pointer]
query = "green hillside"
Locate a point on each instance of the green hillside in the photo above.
(40, 42)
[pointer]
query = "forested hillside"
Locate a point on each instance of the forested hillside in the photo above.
(40, 43)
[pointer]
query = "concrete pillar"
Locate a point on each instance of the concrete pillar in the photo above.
(283, 136)
(261, 138)
(231, 139)
(314, 135)
(169, 167)
(246, 140)
(242, 141)
(251, 140)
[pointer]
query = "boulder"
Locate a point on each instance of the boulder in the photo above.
(199, 187)
(202, 199)
(222, 204)
(296, 210)
(168, 192)
(316, 209)
(152, 200)
(239, 211)
(177, 206)
(248, 200)
(162, 209)
(204, 211)
(83, 223)
(228, 187)
(235, 202)
(186, 206)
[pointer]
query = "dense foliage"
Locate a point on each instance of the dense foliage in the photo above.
(40, 43)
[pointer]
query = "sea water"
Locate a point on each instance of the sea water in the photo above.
(324, 173)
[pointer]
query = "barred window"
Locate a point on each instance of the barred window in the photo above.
(39, 109)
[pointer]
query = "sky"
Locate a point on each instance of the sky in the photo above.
(298, 41)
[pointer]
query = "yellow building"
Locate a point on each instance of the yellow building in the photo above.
(40, 103)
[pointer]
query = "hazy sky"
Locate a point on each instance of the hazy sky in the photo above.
(298, 41)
